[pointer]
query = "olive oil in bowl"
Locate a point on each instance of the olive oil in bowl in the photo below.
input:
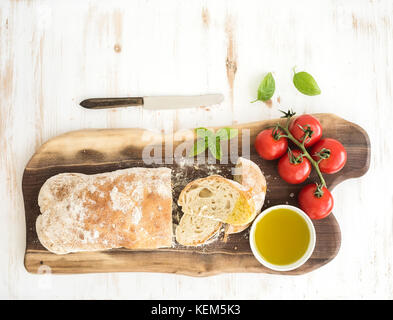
(282, 238)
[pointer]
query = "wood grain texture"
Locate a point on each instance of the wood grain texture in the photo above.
(95, 151)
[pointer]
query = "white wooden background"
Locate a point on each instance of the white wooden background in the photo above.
(55, 53)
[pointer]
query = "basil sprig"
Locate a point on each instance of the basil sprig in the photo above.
(266, 88)
(305, 83)
(207, 139)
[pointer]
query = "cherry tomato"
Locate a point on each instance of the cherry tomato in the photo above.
(304, 121)
(336, 157)
(316, 207)
(269, 146)
(294, 168)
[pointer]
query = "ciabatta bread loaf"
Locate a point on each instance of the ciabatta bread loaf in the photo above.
(130, 208)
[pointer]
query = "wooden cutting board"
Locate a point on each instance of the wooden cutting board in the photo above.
(95, 151)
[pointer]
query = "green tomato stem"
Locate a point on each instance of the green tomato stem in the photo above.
(304, 150)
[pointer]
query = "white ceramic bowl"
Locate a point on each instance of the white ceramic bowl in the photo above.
(299, 262)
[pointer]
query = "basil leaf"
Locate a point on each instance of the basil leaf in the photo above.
(215, 148)
(266, 88)
(202, 132)
(306, 84)
(207, 139)
(199, 147)
(205, 134)
(226, 133)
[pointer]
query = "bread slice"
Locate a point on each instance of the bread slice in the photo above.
(195, 230)
(249, 175)
(219, 199)
(130, 208)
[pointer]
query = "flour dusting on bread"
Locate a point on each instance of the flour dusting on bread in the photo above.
(129, 208)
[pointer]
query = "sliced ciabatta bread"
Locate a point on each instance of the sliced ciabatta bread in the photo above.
(249, 175)
(219, 199)
(195, 230)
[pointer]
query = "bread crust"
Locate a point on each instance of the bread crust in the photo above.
(130, 208)
(250, 176)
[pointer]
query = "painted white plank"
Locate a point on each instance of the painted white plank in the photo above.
(54, 54)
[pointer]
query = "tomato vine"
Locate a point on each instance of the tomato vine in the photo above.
(307, 135)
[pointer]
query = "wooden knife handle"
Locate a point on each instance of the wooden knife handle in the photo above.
(104, 103)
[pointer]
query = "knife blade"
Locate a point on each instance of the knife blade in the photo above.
(154, 102)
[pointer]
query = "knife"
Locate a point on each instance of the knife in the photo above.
(154, 102)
